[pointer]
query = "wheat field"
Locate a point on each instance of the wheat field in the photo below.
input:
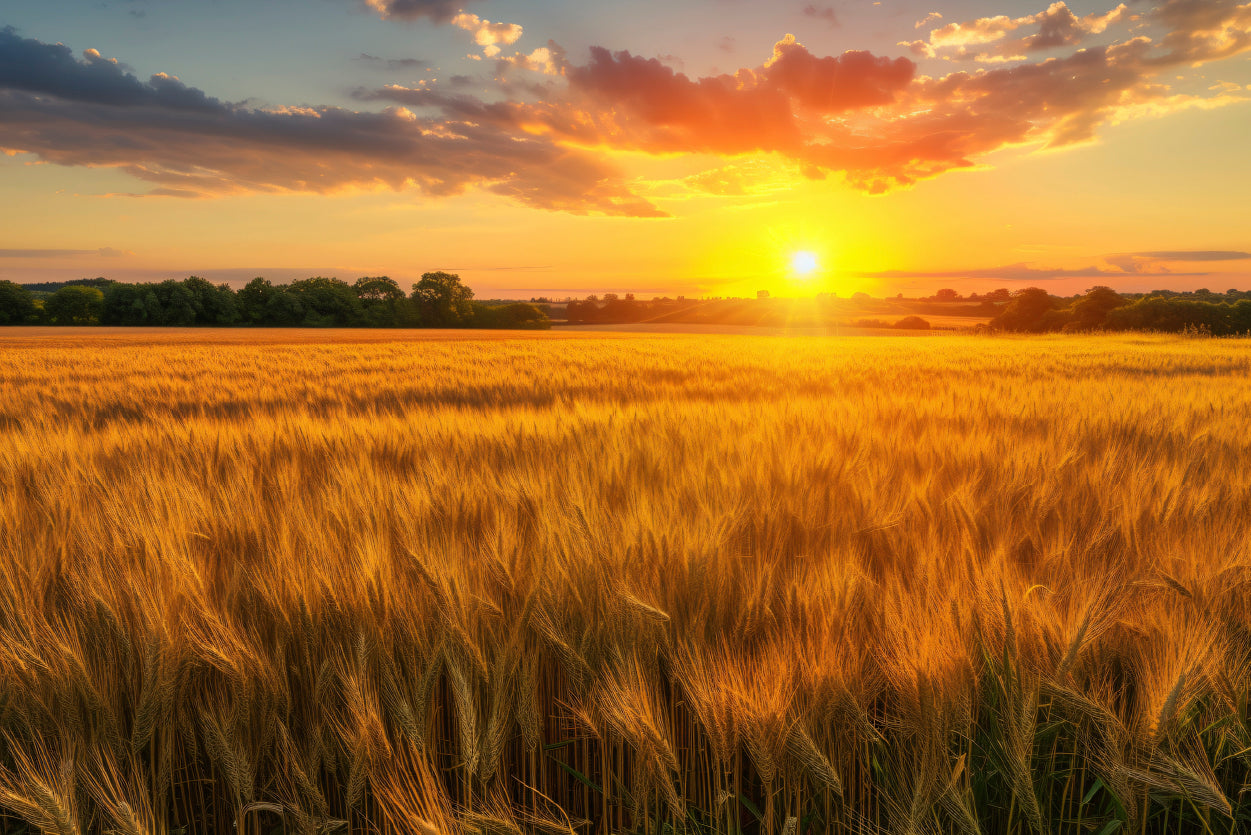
(376, 582)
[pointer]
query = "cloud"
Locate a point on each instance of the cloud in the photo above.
(103, 252)
(185, 143)
(835, 84)
(642, 103)
(1120, 265)
(1057, 26)
(928, 19)
(1010, 272)
(488, 35)
(980, 31)
(1156, 262)
(864, 115)
(548, 60)
(754, 178)
(1194, 255)
(437, 10)
(871, 118)
(664, 110)
(392, 63)
(1203, 30)
(825, 13)
(52, 70)
(920, 49)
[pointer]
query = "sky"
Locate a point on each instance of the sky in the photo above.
(661, 147)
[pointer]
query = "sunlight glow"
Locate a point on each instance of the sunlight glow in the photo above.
(804, 264)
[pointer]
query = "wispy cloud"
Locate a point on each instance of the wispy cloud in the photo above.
(1116, 266)
(1194, 255)
(104, 252)
(827, 14)
(1008, 272)
(1155, 262)
(392, 63)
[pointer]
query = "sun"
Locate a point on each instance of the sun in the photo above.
(804, 264)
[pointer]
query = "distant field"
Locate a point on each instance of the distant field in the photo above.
(376, 581)
(940, 324)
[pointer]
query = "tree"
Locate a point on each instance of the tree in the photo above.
(382, 301)
(443, 301)
(1026, 311)
(946, 295)
(283, 309)
(327, 302)
(1090, 312)
(74, 305)
(1173, 314)
(214, 304)
(17, 305)
(254, 301)
(131, 304)
(179, 304)
(377, 289)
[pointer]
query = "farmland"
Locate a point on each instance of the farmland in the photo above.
(570, 582)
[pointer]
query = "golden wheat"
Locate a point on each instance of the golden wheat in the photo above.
(384, 582)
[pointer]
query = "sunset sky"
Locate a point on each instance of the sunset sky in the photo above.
(655, 146)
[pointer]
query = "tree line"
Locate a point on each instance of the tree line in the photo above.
(439, 300)
(1034, 310)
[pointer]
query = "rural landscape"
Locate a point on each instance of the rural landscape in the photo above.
(481, 417)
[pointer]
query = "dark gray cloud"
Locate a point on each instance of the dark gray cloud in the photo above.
(438, 10)
(31, 66)
(69, 111)
(392, 63)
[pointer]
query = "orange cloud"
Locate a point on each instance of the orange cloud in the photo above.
(486, 34)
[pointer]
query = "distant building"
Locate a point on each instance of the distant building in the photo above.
(762, 294)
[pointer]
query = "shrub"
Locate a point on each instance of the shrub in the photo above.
(516, 316)
(913, 323)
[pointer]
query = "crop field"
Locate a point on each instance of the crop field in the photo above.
(376, 582)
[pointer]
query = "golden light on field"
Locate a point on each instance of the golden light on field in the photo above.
(381, 577)
(804, 264)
